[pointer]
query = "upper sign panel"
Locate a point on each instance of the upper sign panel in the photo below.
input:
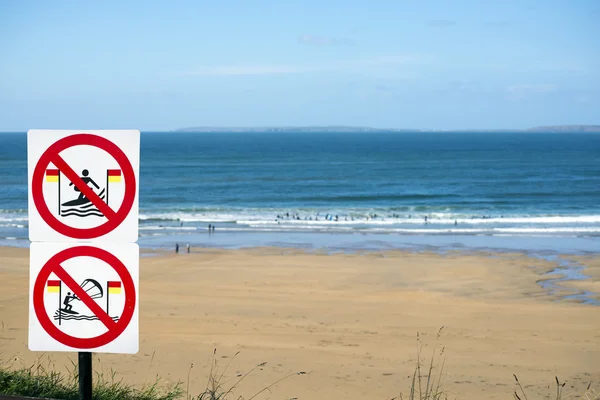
(83, 185)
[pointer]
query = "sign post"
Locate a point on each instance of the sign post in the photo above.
(84, 260)
(85, 375)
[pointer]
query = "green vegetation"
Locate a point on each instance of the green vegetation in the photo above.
(40, 381)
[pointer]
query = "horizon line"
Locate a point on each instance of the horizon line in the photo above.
(258, 128)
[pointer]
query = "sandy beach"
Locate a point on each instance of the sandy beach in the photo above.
(350, 321)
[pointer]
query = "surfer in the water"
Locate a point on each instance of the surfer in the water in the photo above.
(67, 302)
(86, 179)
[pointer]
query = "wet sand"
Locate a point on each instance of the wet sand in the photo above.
(349, 321)
(592, 270)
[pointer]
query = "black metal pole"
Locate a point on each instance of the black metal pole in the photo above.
(85, 376)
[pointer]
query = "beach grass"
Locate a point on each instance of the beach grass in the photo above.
(558, 393)
(40, 380)
(426, 382)
(218, 388)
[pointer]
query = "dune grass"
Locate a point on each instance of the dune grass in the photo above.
(40, 380)
(219, 389)
(589, 394)
(426, 383)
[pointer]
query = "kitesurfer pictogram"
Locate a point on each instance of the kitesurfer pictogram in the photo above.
(70, 306)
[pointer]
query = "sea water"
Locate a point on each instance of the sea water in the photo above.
(410, 187)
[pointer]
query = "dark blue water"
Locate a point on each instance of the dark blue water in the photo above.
(464, 183)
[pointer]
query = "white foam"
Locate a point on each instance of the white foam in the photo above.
(430, 231)
(350, 220)
(20, 218)
(256, 217)
(13, 226)
(176, 228)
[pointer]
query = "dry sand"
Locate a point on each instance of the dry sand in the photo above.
(349, 321)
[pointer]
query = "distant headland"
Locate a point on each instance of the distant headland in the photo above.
(355, 129)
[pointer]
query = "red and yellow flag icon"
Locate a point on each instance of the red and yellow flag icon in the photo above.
(114, 287)
(53, 286)
(114, 175)
(52, 175)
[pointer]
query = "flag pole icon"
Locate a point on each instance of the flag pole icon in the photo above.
(55, 286)
(52, 175)
(112, 176)
(114, 287)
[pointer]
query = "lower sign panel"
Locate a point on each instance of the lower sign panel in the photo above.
(84, 297)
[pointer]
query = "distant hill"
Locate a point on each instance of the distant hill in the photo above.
(554, 128)
(566, 128)
(291, 129)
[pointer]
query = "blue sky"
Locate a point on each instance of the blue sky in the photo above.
(161, 65)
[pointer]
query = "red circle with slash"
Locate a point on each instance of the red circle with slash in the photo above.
(51, 155)
(114, 329)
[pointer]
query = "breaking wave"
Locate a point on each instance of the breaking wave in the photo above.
(83, 210)
(78, 317)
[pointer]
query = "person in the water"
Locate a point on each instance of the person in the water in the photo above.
(86, 179)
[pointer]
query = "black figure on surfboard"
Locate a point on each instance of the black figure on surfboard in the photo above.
(82, 206)
(68, 308)
(81, 199)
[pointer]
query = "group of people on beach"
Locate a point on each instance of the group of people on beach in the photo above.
(188, 248)
(211, 228)
(331, 217)
(327, 217)
(373, 216)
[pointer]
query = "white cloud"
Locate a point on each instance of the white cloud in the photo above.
(277, 69)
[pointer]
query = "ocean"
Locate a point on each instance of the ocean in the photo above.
(414, 187)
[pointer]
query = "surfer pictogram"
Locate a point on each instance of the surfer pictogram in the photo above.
(82, 206)
(92, 287)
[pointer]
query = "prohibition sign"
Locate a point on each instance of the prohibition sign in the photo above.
(114, 328)
(51, 155)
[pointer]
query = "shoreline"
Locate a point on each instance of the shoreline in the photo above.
(567, 279)
(357, 241)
